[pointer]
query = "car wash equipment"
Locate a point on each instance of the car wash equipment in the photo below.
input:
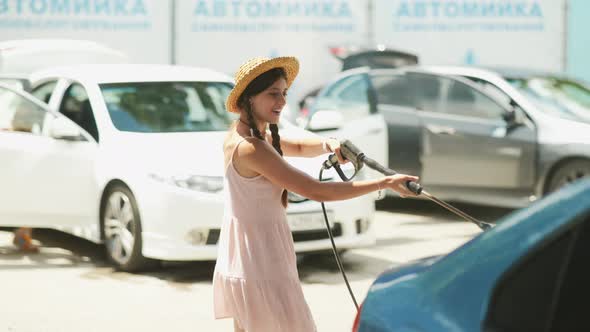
(358, 159)
(351, 153)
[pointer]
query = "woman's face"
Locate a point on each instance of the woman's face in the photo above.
(269, 103)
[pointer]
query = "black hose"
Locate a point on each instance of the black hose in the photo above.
(334, 247)
(341, 174)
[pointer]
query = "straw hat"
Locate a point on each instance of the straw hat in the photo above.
(252, 69)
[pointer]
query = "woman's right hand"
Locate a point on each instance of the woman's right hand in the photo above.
(397, 183)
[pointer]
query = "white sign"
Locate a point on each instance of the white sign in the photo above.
(527, 33)
(139, 28)
(224, 34)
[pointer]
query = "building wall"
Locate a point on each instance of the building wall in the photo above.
(508, 33)
(222, 34)
(578, 41)
(140, 28)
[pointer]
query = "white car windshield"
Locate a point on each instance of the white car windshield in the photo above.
(156, 107)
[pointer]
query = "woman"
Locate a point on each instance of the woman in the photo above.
(256, 280)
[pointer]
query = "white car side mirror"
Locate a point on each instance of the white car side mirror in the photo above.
(325, 120)
(61, 128)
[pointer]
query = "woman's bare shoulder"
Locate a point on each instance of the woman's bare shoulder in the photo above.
(248, 147)
(229, 144)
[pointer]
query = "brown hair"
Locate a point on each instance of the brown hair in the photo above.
(259, 84)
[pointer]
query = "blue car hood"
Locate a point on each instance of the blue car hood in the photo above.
(413, 267)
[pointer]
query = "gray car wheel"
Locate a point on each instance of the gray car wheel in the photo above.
(568, 173)
(121, 227)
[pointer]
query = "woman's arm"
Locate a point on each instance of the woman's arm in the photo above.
(309, 147)
(305, 147)
(259, 156)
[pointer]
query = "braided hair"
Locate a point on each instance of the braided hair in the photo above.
(259, 84)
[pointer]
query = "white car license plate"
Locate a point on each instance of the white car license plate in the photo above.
(308, 221)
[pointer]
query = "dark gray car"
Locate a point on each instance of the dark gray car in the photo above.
(468, 141)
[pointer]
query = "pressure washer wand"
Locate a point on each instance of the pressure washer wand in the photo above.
(358, 159)
(418, 190)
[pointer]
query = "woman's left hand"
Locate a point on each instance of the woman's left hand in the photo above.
(334, 146)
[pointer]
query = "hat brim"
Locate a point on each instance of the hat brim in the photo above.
(289, 64)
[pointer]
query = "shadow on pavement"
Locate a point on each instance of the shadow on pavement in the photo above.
(57, 249)
(62, 250)
(323, 269)
(179, 275)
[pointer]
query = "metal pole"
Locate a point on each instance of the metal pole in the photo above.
(370, 23)
(172, 26)
(565, 52)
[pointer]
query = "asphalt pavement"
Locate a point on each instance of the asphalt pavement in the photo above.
(70, 287)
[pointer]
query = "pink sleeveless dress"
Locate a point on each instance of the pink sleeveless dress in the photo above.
(256, 280)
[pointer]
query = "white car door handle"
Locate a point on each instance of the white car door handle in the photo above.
(441, 130)
(374, 131)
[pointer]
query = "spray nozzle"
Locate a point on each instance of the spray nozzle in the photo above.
(349, 152)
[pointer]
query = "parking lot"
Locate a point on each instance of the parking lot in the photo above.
(69, 286)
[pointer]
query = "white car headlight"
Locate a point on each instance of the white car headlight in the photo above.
(209, 184)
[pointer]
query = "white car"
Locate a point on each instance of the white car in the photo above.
(130, 156)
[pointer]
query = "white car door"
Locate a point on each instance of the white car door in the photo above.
(47, 174)
(351, 107)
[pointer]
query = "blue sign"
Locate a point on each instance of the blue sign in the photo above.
(272, 9)
(468, 9)
(316, 16)
(125, 8)
(467, 15)
(102, 15)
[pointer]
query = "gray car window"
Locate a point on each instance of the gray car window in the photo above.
(427, 90)
(18, 114)
(393, 90)
(492, 89)
(467, 101)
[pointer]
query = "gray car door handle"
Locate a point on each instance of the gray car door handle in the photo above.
(441, 130)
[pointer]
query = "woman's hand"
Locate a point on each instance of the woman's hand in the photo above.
(333, 145)
(397, 183)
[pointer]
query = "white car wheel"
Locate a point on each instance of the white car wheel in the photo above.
(121, 227)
